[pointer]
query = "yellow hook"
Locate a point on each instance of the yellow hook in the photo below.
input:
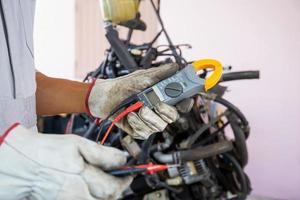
(214, 78)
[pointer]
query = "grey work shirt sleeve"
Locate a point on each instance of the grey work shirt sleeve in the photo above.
(19, 18)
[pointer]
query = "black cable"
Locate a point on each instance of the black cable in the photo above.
(172, 47)
(232, 76)
(103, 123)
(8, 49)
(129, 36)
(162, 53)
(211, 136)
(155, 38)
(124, 104)
(145, 152)
(240, 141)
(158, 6)
(193, 138)
(90, 130)
(244, 186)
(97, 72)
(237, 111)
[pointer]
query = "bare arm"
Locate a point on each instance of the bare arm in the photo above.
(56, 96)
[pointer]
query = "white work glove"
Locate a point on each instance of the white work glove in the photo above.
(106, 94)
(57, 167)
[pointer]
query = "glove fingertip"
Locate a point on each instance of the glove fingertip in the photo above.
(185, 105)
(121, 185)
(167, 112)
(115, 158)
(127, 180)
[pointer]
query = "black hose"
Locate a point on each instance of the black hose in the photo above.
(91, 129)
(232, 76)
(178, 59)
(194, 154)
(120, 48)
(193, 138)
(145, 153)
(211, 136)
(240, 140)
(238, 113)
(205, 152)
(243, 182)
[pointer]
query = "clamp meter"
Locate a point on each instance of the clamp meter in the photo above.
(184, 84)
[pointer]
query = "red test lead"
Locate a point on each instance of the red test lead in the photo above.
(149, 168)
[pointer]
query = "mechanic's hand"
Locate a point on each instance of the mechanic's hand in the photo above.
(185, 105)
(57, 167)
(106, 94)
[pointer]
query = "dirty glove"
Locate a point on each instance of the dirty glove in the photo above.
(57, 167)
(185, 105)
(105, 95)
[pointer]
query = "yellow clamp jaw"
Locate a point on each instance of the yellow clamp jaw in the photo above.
(215, 65)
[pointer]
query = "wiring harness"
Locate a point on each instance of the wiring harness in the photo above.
(209, 161)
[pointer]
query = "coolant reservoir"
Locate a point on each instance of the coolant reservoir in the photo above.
(118, 11)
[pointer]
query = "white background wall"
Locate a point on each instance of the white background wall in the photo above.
(55, 37)
(253, 34)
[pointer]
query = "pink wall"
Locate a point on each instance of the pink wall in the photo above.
(253, 34)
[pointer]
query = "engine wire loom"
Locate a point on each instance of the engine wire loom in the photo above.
(209, 162)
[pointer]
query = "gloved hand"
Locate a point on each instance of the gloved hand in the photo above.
(57, 167)
(185, 105)
(105, 95)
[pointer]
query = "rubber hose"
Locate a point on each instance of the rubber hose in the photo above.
(244, 187)
(240, 141)
(237, 111)
(194, 154)
(205, 152)
(240, 76)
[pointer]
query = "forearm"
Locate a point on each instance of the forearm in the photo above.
(56, 96)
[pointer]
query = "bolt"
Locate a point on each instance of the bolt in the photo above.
(158, 194)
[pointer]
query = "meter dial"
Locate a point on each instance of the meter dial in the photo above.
(174, 89)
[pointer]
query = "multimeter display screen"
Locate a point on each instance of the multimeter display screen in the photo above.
(152, 97)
